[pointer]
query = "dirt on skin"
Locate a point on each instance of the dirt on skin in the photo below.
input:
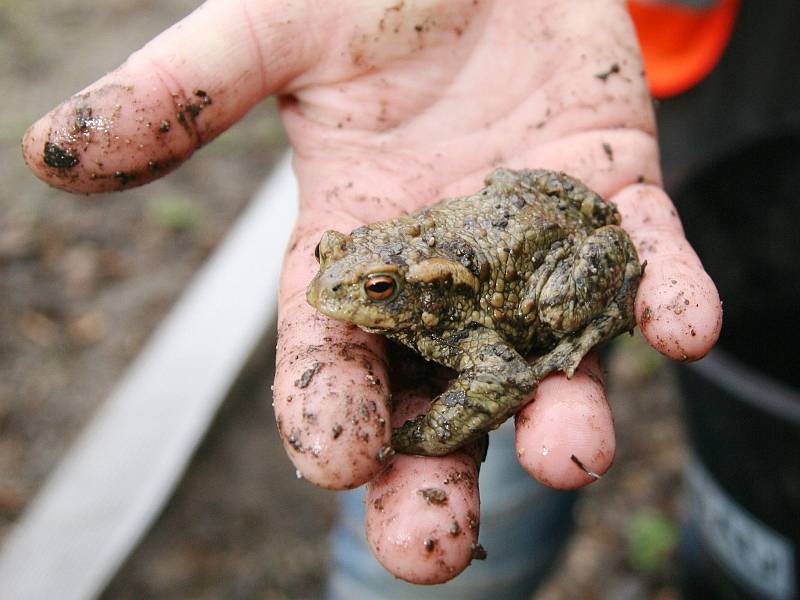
(84, 280)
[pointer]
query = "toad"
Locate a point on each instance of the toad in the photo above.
(535, 264)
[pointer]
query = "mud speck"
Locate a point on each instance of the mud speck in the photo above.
(124, 178)
(205, 99)
(307, 376)
(613, 69)
(83, 117)
(478, 552)
(384, 454)
(165, 126)
(609, 151)
(294, 440)
(336, 431)
(57, 157)
(434, 495)
(455, 528)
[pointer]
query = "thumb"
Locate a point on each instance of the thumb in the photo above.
(178, 92)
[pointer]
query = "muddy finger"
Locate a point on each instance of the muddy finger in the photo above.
(331, 391)
(422, 517)
(422, 513)
(177, 93)
(331, 398)
(565, 437)
(677, 308)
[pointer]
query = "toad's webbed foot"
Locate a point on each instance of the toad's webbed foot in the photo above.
(494, 382)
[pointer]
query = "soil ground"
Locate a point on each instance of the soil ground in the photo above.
(83, 281)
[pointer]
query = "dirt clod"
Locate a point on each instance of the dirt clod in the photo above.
(478, 552)
(294, 440)
(307, 376)
(57, 157)
(614, 68)
(434, 495)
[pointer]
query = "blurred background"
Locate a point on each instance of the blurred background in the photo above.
(85, 280)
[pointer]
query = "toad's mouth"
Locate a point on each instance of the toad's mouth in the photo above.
(366, 316)
(362, 316)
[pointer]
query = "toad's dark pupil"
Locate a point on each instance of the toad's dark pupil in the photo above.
(380, 287)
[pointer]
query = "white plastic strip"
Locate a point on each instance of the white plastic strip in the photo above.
(115, 480)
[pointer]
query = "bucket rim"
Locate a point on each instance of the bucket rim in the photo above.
(749, 384)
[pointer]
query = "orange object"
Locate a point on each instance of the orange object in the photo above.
(680, 44)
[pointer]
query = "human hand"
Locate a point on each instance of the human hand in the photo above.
(391, 105)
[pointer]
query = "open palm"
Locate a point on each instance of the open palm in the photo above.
(391, 105)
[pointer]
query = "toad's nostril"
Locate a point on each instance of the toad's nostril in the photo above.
(336, 288)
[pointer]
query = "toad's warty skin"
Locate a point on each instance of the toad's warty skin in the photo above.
(534, 264)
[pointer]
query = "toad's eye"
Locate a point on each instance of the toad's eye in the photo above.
(316, 252)
(380, 286)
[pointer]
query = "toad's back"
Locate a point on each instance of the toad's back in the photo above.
(510, 235)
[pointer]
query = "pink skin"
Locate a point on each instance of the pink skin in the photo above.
(567, 418)
(389, 106)
(442, 496)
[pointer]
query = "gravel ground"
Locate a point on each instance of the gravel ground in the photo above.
(83, 281)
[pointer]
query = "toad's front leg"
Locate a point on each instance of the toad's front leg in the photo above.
(493, 382)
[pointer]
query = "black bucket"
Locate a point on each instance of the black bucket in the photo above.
(742, 403)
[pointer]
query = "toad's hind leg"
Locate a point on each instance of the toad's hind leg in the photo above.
(494, 381)
(589, 300)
